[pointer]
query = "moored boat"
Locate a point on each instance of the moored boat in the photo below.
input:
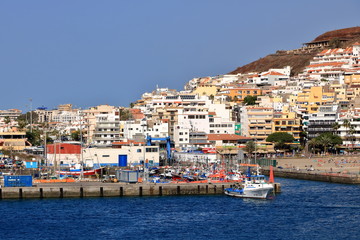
(78, 172)
(254, 186)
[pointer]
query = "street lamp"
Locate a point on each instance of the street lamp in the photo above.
(144, 159)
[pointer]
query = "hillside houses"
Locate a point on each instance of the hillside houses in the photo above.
(213, 112)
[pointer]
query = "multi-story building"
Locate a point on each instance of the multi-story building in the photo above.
(288, 122)
(13, 140)
(322, 121)
(89, 116)
(240, 93)
(257, 124)
(12, 114)
(107, 130)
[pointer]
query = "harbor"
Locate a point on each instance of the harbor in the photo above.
(99, 189)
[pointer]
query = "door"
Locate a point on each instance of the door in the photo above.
(122, 160)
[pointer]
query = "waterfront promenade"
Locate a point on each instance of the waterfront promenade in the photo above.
(344, 164)
(333, 168)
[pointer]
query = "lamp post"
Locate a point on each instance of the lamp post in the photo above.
(144, 155)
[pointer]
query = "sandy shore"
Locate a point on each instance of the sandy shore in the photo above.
(335, 164)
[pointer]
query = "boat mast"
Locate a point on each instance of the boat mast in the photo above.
(81, 150)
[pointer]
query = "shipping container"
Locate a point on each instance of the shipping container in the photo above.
(31, 164)
(127, 176)
(17, 181)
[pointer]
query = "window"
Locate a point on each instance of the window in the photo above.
(138, 150)
(181, 133)
(105, 155)
(151, 149)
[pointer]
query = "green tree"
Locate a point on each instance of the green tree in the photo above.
(75, 135)
(250, 100)
(327, 140)
(336, 127)
(280, 139)
(125, 114)
(34, 137)
(250, 148)
(21, 124)
(27, 117)
(7, 120)
(312, 144)
(347, 125)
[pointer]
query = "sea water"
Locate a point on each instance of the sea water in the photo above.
(304, 210)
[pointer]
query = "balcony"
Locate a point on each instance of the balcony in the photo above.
(106, 138)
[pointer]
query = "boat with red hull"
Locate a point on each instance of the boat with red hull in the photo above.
(77, 172)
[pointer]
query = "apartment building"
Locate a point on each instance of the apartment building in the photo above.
(258, 124)
(107, 130)
(89, 116)
(322, 121)
(288, 122)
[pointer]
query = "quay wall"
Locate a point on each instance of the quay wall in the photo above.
(316, 176)
(77, 190)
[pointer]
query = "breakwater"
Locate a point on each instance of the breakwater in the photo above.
(316, 176)
(95, 189)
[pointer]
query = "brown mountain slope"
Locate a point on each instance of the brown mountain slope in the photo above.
(345, 33)
(296, 61)
(299, 58)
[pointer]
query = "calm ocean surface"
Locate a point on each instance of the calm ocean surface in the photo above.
(305, 210)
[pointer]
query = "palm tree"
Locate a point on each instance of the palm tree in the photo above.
(351, 135)
(336, 127)
(325, 141)
(312, 144)
(346, 124)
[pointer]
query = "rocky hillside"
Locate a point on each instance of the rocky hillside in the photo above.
(299, 58)
(296, 61)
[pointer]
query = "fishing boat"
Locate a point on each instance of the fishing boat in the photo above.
(254, 186)
(78, 172)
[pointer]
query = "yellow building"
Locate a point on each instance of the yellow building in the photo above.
(15, 141)
(288, 122)
(240, 93)
(352, 78)
(340, 92)
(260, 125)
(207, 90)
(309, 100)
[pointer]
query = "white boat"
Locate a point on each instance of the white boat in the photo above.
(254, 186)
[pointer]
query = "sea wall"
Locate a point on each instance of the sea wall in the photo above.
(316, 176)
(111, 190)
(77, 190)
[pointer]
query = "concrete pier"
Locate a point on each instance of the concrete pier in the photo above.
(97, 189)
(316, 176)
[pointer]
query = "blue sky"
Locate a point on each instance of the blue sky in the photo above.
(88, 52)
